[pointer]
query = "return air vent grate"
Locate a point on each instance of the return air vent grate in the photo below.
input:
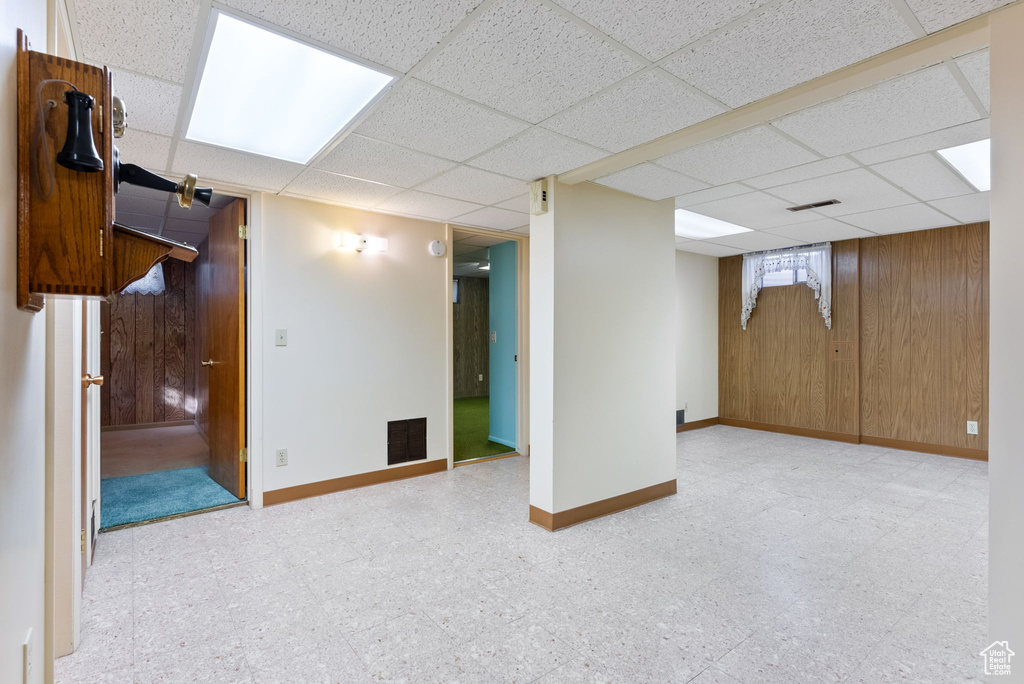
(814, 205)
(407, 440)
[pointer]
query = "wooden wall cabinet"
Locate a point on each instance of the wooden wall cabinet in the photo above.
(67, 241)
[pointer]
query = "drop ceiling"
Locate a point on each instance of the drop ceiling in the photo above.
(492, 94)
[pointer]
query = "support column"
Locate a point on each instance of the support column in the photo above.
(1006, 343)
(602, 346)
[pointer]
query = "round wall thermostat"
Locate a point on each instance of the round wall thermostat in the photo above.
(436, 248)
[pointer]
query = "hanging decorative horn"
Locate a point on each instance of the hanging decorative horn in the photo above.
(186, 190)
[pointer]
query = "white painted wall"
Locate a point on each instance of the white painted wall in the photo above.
(22, 401)
(602, 284)
(697, 335)
(367, 339)
(1006, 365)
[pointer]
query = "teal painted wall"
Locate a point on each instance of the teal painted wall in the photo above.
(503, 352)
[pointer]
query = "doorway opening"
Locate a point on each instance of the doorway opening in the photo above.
(173, 411)
(485, 354)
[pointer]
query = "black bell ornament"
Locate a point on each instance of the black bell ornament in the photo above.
(79, 153)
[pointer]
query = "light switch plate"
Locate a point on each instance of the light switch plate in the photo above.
(494, 337)
(480, 378)
(280, 337)
(972, 427)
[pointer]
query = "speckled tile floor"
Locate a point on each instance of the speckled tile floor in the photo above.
(781, 559)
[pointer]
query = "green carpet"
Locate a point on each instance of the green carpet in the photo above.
(472, 423)
(134, 498)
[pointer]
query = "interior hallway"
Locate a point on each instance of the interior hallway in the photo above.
(781, 559)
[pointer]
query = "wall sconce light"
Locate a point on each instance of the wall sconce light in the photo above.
(363, 243)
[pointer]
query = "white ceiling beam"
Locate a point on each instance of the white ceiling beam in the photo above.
(955, 40)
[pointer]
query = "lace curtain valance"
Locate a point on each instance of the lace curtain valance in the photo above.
(816, 260)
(151, 283)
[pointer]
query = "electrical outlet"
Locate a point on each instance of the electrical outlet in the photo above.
(26, 666)
(686, 407)
(282, 457)
(972, 427)
(480, 377)
(280, 337)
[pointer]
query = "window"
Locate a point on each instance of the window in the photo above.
(811, 265)
(787, 276)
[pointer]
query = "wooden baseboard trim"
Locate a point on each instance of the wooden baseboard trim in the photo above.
(938, 449)
(574, 516)
(787, 430)
(339, 484)
(146, 426)
(697, 424)
(485, 459)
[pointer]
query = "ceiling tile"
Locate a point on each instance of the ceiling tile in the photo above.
(382, 162)
(185, 227)
(654, 104)
(921, 102)
(341, 189)
(187, 238)
(129, 190)
(415, 203)
(524, 230)
(938, 14)
(929, 142)
(144, 149)
(148, 36)
(240, 168)
(749, 153)
(824, 230)
(708, 248)
(969, 208)
(857, 190)
(899, 219)
(658, 28)
(924, 176)
(474, 185)
(397, 33)
(975, 68)
(755, 210)
(146, 222)
(802, 172)
(521, 203)
(197, 212)
(535, 154)
(151, 105)
(755, 241)
(711, 194)
(525, 59)
(129, 204)
(490, 217)
(650, 181)
(788, 44)
(424, 118)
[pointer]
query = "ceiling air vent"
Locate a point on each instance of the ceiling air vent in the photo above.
(813, 205)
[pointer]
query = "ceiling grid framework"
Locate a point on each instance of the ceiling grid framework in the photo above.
(493, 94)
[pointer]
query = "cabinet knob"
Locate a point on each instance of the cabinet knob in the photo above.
(92, 380)
(207, 363)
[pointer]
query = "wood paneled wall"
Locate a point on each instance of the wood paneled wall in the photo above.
(148, 353)
(470, 321)
(906, 359)
(924, 336)
(783, 369)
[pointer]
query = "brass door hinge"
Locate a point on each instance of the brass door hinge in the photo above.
(83, 541)
(243, 455)
(243, 232)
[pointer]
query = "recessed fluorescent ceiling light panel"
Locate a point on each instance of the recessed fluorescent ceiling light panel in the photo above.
(973, 161)
(700, 227)
(264, 93)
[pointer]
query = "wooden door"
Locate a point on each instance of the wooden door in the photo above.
(224, 340)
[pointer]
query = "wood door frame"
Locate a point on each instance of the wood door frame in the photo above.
(522, 334)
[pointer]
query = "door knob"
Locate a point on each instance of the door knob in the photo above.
(207, 363)
(92, 380)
